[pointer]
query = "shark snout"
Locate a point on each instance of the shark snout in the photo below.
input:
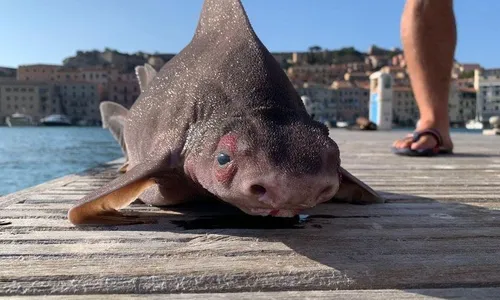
(283, 193)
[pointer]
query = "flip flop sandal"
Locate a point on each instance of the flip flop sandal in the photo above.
(438, 149)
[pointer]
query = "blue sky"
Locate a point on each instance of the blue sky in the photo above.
(47, 31)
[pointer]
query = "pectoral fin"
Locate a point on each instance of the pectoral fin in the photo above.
(104, 210)
(353, 190)
(101, 206)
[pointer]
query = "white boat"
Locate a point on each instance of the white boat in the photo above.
(56, 120)
(473, 124)
(342, 124)
(19, 119)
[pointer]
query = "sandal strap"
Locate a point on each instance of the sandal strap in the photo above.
(431, 131)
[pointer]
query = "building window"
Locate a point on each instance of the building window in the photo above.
(115, 98)
(8, 97)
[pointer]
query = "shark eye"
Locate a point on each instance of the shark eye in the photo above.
(223, 159)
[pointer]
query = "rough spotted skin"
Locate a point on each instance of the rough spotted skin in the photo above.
(226, 83)
(223, 94)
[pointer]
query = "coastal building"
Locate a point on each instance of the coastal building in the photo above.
(487, 85)
(465, 83)
(323, 100)
(80, 101)
(358, 66)
(322, 74)
(98, 74)
(6, 72)
(404, 108)
(377, 61)
(381, 98)
(398, 60)
(124, 92)
(37, 72)
(467, 104)
(36, 99)
(398, 74)
(340, 101)
(353, 98)
(64, 74)
(356, 76)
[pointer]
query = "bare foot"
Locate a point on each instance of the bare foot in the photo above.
(426, 141)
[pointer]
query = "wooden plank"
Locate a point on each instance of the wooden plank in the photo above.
(439, 229)
(412, 294)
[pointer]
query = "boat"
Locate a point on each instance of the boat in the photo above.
(18, 119)
(342, 124)
(474, 124)
(56, 120)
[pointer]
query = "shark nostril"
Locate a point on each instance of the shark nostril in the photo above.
(257, 190)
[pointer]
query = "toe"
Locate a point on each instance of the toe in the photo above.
(403, 143)
(425, 142)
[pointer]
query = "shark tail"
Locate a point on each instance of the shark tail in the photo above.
(113, 118)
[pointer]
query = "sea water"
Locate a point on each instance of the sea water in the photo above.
(33, 155)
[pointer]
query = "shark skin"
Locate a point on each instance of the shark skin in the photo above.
(220, 119)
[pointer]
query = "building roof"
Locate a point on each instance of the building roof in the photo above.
(39, 65)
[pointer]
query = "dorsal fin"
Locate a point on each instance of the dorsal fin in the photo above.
(144, 75)
(223, 18)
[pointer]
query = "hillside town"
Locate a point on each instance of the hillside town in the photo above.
(335, 82)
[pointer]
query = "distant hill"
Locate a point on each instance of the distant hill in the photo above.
(127, 62)
(111, 57)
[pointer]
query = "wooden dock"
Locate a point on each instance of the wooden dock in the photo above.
(438, 236)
